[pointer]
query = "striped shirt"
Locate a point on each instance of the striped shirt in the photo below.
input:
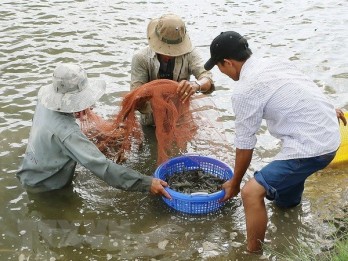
(295, 110)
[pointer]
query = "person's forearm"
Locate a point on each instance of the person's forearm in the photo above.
(83, 151)
(127, 179)
(203, 85)
(242, 162)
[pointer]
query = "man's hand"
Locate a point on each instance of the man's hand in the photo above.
(340, 116)
(157, 188)
(242, 162)
(186, 89)
(231, 190)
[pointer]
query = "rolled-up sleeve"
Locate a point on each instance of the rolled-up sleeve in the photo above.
(83, 151)
(197, 69)
(248, 113)
(139, 70)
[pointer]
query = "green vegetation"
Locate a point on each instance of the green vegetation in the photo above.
(341, 250)
(301, 252)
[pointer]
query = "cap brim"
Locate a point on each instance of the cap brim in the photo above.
(163, 48)
(210, 64)
(72, 102)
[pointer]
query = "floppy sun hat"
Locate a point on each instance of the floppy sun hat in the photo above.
(167, 35)
(71, 90)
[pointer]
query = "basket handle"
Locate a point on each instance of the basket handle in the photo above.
(199, 193)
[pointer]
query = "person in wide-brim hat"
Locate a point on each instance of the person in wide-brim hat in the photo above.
(71, 90)
(169, 55)
(167, 35)
(56, 143)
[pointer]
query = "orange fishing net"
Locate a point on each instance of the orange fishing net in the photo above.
(174, 122)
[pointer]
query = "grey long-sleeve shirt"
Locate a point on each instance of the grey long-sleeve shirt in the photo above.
(56, 144)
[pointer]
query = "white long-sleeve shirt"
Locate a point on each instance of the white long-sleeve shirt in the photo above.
(295, 109)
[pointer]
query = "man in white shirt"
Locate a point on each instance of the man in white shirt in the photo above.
(296, 112)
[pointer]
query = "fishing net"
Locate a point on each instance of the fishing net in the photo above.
(173, 120)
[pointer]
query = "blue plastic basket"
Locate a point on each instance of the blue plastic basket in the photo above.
(195, 203)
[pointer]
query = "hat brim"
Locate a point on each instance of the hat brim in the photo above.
(72, 102)
(163, 48)
(210, 64)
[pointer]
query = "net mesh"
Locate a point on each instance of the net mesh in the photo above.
(174, 123)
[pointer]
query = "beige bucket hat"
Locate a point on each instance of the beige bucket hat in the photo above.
(167, 35)
(71, 90)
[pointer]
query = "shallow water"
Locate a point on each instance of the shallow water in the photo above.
(91, 221)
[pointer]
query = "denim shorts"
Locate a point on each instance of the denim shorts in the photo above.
(284, 180)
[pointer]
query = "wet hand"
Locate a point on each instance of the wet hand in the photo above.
(340, 116)
(157, 188)
(230, 190)
(186, 89)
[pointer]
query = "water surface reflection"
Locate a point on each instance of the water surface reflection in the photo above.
(91, 221)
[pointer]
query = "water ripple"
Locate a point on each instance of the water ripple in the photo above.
(102, 36)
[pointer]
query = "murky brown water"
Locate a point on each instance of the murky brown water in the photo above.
(91, 221)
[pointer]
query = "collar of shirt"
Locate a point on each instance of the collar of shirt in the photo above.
(248, 67)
